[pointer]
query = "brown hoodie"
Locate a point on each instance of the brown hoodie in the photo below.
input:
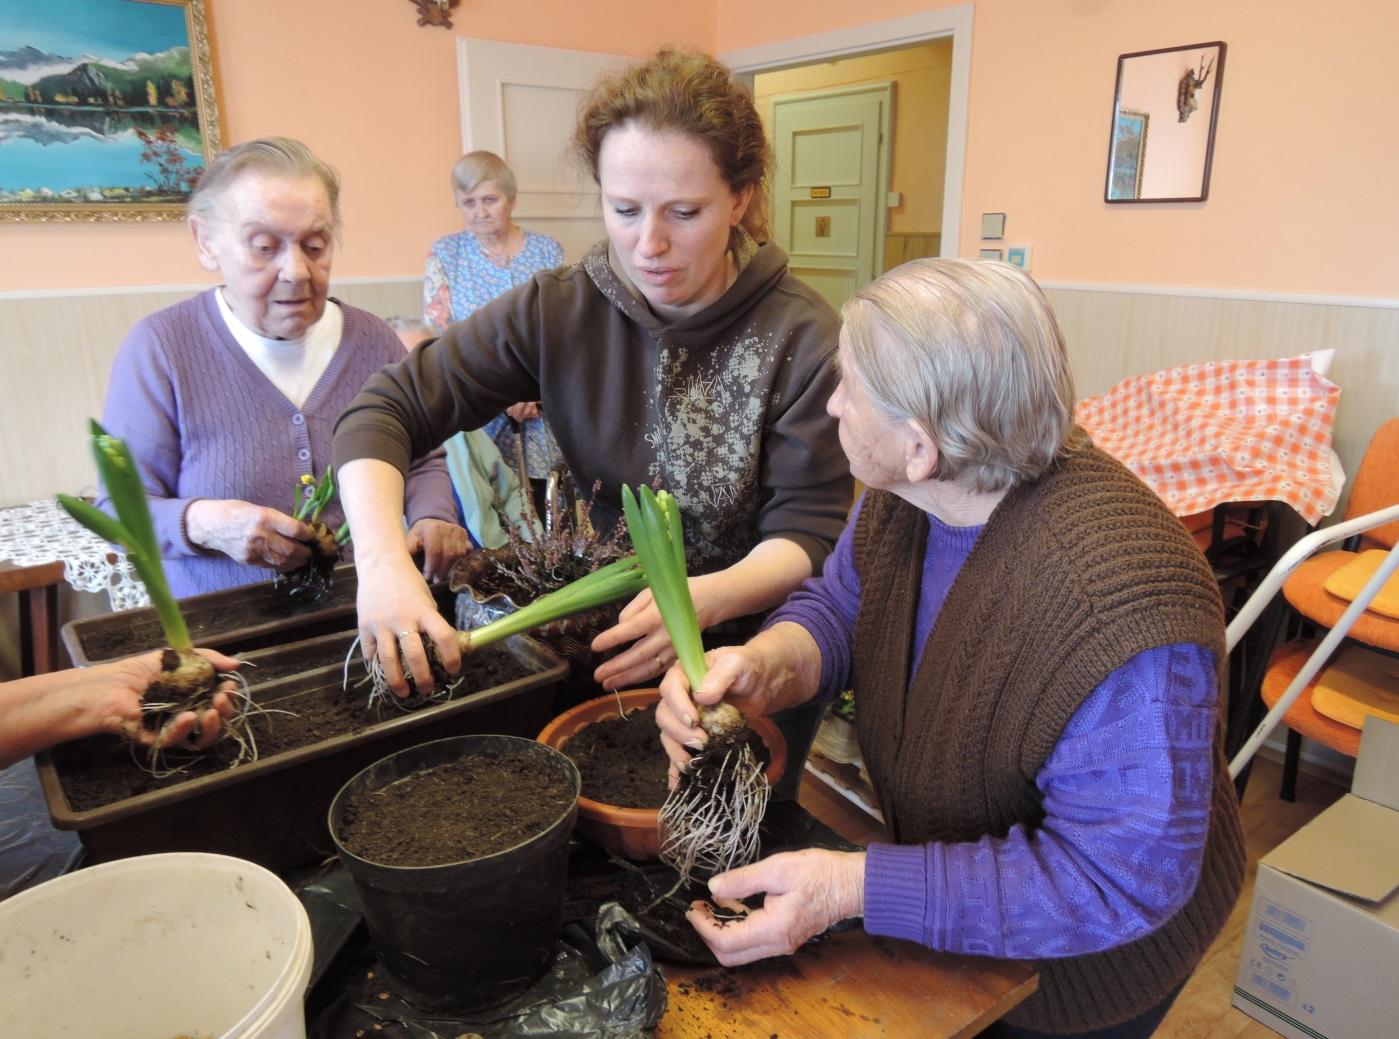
(724, 408)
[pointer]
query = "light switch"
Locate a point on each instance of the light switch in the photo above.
(895, 199)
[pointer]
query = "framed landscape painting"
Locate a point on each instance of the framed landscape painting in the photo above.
(107, 108)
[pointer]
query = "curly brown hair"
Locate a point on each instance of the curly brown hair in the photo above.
(689, 92)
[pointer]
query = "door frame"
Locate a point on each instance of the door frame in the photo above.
(955, 22)
(885, 93)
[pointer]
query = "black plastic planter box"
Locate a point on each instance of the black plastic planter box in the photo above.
(274, 810)
(234, 620)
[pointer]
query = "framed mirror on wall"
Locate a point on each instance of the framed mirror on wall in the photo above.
(1164, 110)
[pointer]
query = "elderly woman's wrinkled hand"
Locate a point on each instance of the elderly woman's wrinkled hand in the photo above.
(247, 533)
(805, 892)
(735, 674)
(441, 544)
(524, 410)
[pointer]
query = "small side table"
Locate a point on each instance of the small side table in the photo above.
(37, 585)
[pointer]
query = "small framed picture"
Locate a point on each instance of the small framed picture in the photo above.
(993, 225)
(1019, 255)
(990, 254)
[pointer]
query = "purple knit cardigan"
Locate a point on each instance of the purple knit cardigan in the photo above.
(203, 421)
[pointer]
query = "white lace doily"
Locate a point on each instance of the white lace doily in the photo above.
(41, 532)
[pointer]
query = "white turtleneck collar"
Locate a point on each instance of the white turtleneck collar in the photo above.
(294, 366)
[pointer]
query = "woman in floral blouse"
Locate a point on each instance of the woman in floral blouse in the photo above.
(472, 267)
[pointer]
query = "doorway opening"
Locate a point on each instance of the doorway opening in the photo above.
(896, 99)
(861, 151)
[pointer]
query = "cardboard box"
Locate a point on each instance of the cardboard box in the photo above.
(1321, 952)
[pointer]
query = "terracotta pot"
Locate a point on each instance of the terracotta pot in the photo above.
(632, 832)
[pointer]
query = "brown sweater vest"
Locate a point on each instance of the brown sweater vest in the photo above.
(1073, 576)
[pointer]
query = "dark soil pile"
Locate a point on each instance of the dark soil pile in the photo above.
(100, 770)
(621, 760)
(289, 661)
(210, 620)
(462, 810)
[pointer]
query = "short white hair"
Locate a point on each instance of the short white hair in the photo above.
(477, 167)
(969, 350)
(270, 156)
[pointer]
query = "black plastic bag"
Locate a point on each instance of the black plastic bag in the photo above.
(601, 984)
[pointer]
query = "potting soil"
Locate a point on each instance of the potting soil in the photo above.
(464, 809)
(122, 634)
(621, 760)
(602, 981)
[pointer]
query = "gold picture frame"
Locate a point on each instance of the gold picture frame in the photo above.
(120, 134)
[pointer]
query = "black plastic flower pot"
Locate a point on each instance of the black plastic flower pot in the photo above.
(469, 934)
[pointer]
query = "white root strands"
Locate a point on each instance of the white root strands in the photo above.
(709, 822)
(163, 762)
(381, 694)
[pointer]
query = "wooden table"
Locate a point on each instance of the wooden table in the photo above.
(37, 586)
(851, 986)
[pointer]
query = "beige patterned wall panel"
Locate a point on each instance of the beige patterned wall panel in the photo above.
(57, 351)
(1113, 335)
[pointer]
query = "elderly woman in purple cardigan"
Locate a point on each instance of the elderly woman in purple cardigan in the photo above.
(229, 398)
(1035, 647)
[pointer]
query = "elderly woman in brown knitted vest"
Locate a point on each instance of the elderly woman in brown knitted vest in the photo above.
(1036, 648)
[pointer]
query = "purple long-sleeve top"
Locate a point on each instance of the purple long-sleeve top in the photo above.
(1126, 796)
(203, 421)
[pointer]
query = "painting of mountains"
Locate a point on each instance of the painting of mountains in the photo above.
(106, 108)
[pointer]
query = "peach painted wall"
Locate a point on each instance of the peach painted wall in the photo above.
(1304, 196)
(372, 93)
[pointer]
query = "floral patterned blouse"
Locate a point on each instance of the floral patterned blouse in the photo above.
(461, 277)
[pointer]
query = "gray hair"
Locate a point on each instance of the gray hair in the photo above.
(969, 350)
(477, 167)
(270, 156)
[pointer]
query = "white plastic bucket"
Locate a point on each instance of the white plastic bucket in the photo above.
(184, 944)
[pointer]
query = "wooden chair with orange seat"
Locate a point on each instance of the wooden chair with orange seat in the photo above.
(1350, 591)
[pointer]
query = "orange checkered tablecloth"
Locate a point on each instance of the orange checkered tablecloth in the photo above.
(1224, 431)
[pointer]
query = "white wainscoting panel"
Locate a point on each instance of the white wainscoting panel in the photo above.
(1112, 335)
(56, 351)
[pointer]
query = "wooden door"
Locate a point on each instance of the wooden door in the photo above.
(830, 185)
